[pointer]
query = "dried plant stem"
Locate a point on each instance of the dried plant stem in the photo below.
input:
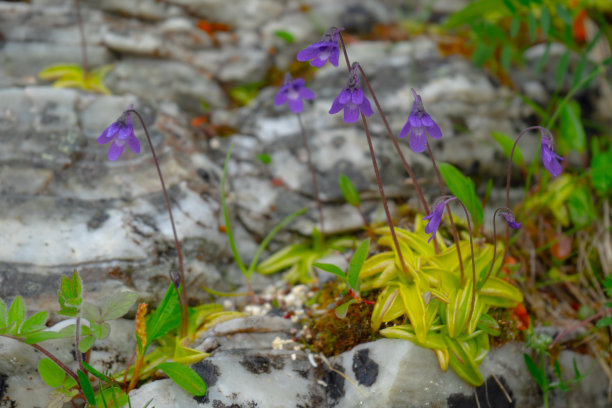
(77, 6)
(507, 237)
(450, 215)
(182, 288)
(314, 176)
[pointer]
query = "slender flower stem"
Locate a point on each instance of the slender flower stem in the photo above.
(389, 131)
(467, 215)
(77, 334)
(564, 333)
(314, 176)
(450, 215)
(77, 6)
(47, 353)
(494, 244)
(507, 237)
(183, 290)
(383, 197)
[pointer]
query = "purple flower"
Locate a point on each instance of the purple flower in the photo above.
(510, 220)
(120, 133)
(419, 124)
(325, 50)
(352, 99)
(549, 157)
(292, 92)
(435, 216)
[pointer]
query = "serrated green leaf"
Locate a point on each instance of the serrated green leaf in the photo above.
(185, 377)
(349, 192)
(16, 314)
(463, 188)
(165, 318)
(86, 387)
(538, 375)
(481, 53)
(51, 373)
(342, 310)
(356, 264)
(542, 60)
(474, 10)
(91, 312)
(34, 323)
(331, 268)
(506, 57)
(100, 331)
(118, 305)
(531, 24)
(506, 144)
(573, 136)
(514, 26)
(86, 343)
(544, 21)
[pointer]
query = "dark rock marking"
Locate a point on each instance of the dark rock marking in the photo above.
(210, 374)
(256, 364)
(97, 220)
(365, 369)
(335, 383)
(489, 394)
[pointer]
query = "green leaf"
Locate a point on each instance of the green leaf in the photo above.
(51, 373)
(91, 312)
(544, 21)
(86, 343)
(114, 395)
(414, 307)
(463, 188)
(61, 70)
(489, 325)
(284, 35)
(531, 23)
(264, 158)
(342, 310)
(16, 314)
(86, 387)
(481, 54)
(514, 26)
(474, 10)
(601, 173)
(573, 136)
(185, 377)
(562, 68)
(3, 318)
(356, 264)
(96, 373)
(542, 60)
(35, 323)
(165, 318)
(100, 331)
(580, 206)
(538, 374)
(118, 305)
(506, 57)
(331, 268)
(349, 192)
(506, 144)
(462, 362)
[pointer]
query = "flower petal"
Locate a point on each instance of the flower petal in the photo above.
(108, 134)
(308, 53)
(334, 56)
(345, 96)
(417, 139)
(134, 144)
(405, 130)
(296, 105)
(115, 150)
(432, 127)
(366, 108)
(336, 106)
(351, 113)
(357, 96)
(306, 93)
(281, 96)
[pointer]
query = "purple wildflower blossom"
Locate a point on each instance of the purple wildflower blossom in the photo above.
(292, 92)
(418, 125)
(120, 133)
(549, 157)
(510, 220)
(352, 99)
(325, 50)
(435, 216)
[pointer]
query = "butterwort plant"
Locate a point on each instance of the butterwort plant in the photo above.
(121, 133)
(323, 51)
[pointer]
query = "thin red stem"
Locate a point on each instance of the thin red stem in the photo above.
(183, 289)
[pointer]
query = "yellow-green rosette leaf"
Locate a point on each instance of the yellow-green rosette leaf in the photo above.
(388, 307)
(414, 307)
(458, 309)
(497, 292)
(462, 362)
(432, 340)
